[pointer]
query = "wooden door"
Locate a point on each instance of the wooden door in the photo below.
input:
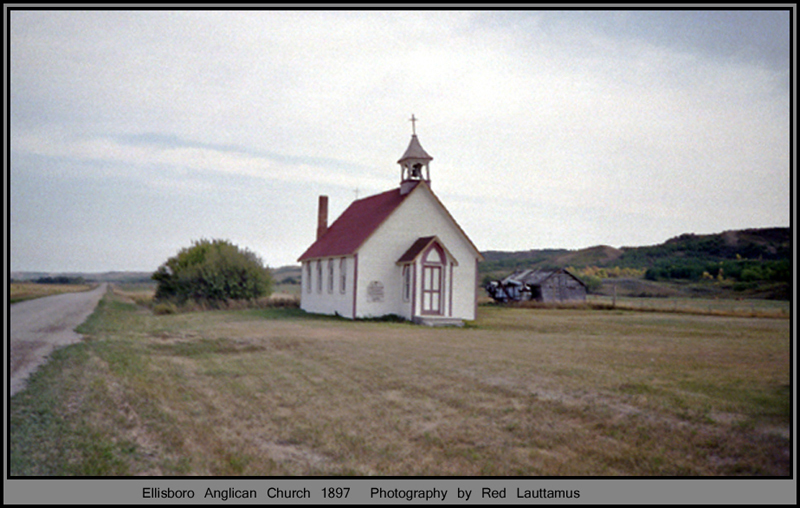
(432, 290)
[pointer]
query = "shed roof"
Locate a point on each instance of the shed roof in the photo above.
(535, 277)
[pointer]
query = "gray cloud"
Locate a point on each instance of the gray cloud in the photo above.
(667, 121)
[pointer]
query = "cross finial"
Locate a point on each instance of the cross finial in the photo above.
(413, 126)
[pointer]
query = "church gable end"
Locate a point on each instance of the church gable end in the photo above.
(398, 252)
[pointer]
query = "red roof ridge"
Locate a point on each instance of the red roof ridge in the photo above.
(361, 219)
(355, 225)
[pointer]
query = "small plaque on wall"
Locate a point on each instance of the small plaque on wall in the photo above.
(375, 291)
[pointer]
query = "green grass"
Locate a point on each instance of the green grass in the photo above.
(50, 435)
(274, 391)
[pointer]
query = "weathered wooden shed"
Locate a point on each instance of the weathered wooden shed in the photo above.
(538, 285)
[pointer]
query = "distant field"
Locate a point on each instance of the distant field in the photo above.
(20, 291)
(711, 306)
(283, 290)
(553, 392)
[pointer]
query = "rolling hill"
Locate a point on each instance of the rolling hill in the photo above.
(761, 244)
(766, 250)
(751, 263)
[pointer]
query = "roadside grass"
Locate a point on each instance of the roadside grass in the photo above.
(21, 291)
(285, 296)
(532, 392)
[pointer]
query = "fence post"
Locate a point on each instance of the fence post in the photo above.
(614, 301)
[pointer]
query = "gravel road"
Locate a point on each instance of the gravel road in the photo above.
(39, 326)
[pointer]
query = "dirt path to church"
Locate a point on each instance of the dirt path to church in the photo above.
(42, 325)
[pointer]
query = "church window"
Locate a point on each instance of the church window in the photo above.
(319, 276)
(406, 283)
(433, 256)
(308, 277)
(330, 276)
(343, 275)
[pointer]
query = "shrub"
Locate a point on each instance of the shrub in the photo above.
(592, 282)
(165, 308)
(212, 272)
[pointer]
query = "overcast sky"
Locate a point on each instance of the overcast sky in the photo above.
(134, 133)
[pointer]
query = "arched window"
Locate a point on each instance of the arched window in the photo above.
(308, 277)
(433, 256)
(319, 276)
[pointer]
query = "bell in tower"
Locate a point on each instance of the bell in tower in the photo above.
(414, 163)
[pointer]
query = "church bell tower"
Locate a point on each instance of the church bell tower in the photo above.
(414, 164)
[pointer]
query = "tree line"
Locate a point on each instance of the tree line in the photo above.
(743, 270)
(61, 279)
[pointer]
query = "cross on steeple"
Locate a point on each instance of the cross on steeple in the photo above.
(413, 126)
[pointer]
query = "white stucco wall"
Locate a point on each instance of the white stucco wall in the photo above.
(327, 301)
(418, 216)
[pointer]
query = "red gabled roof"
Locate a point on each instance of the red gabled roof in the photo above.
(355, 225)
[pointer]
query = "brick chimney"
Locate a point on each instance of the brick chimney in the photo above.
(322, 217)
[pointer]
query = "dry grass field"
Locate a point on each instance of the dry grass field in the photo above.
(532, 392)
(706, 306)
(19, 291)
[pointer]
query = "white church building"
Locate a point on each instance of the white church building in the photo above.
(399, 252)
